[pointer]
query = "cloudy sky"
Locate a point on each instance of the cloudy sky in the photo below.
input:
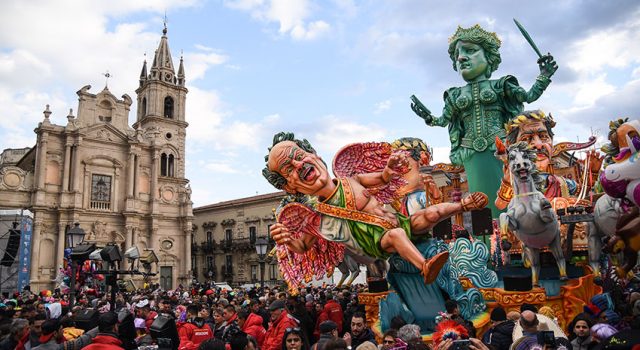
(332, 71)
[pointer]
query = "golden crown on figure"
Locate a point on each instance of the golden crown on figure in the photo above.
(520, 119)
(474, 32)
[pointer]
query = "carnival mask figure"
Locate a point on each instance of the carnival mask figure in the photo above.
(475, 113)
(346, 211)
(621, 179)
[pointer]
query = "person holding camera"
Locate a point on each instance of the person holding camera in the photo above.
(534, 335)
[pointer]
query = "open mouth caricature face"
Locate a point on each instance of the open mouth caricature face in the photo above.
(535, 134)
(304, 171)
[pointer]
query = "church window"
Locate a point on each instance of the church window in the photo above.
(167, 165)
(170, 166)
(143, 107)
(101, 192)
(163, 164)
(168, 107)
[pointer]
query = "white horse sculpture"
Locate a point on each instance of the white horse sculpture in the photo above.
(530, 214)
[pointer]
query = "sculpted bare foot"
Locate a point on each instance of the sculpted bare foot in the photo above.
(474, 201)
(431, 267)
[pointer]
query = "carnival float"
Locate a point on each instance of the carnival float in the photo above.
(531, 226)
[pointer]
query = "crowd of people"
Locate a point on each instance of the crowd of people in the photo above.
(317, 318)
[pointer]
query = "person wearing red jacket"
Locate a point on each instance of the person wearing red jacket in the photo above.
(322, 316)
(280, 321)
(107, 338)
(194, 331)
(251, 324)
(334, 312)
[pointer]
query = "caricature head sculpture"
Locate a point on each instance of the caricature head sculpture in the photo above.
(294, 166)
(534, 128)
(488, 54)
(418, 150)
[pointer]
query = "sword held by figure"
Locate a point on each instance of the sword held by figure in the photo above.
(546, 62)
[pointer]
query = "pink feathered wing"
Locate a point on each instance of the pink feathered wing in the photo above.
(319, 260)
(369, 157)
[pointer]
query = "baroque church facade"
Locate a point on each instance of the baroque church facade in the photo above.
(121, 183)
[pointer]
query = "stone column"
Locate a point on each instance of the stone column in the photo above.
(187, 251)
(114, 190)
(60, 245)
(67, 166)
(42, 159)
(87, 189)
(76, 165)
(128, 237)
(134, 236)
(35, 253)
(153, 237)
(130, 174)
(154, 175)
(136, 174)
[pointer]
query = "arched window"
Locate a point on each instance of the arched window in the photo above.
(143, 107)
(168, 107)
(171, 166)
(163, 164)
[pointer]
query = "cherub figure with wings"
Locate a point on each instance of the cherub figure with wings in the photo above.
(348, 210)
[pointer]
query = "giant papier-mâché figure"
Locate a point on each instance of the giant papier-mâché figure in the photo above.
(535, 128)
(476, 113)
(530, 214)
(621, 180)
(347, 212)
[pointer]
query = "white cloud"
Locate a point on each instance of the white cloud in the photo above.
(612, 47)
(292, 16)
(221, 168)
(213, 126)
(312, 31)
(202, 47)
(382, 106)
(199, 63)
(337, 132)
(588, 92)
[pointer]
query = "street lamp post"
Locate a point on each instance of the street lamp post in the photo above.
(261, 250)
(75, 236)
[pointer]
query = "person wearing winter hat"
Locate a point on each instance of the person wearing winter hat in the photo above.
(143, 310)
(280, 321)
(328, 331)
(499, 336)
(602, 331)
(580, 333)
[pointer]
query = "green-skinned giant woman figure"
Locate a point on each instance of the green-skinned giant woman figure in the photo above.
(477, 112)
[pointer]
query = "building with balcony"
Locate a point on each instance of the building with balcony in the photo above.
(224, 236)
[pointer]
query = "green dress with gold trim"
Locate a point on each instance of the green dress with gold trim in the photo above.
(475, 115)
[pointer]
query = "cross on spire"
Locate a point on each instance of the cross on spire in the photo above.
(164, 31)
(107, 76)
